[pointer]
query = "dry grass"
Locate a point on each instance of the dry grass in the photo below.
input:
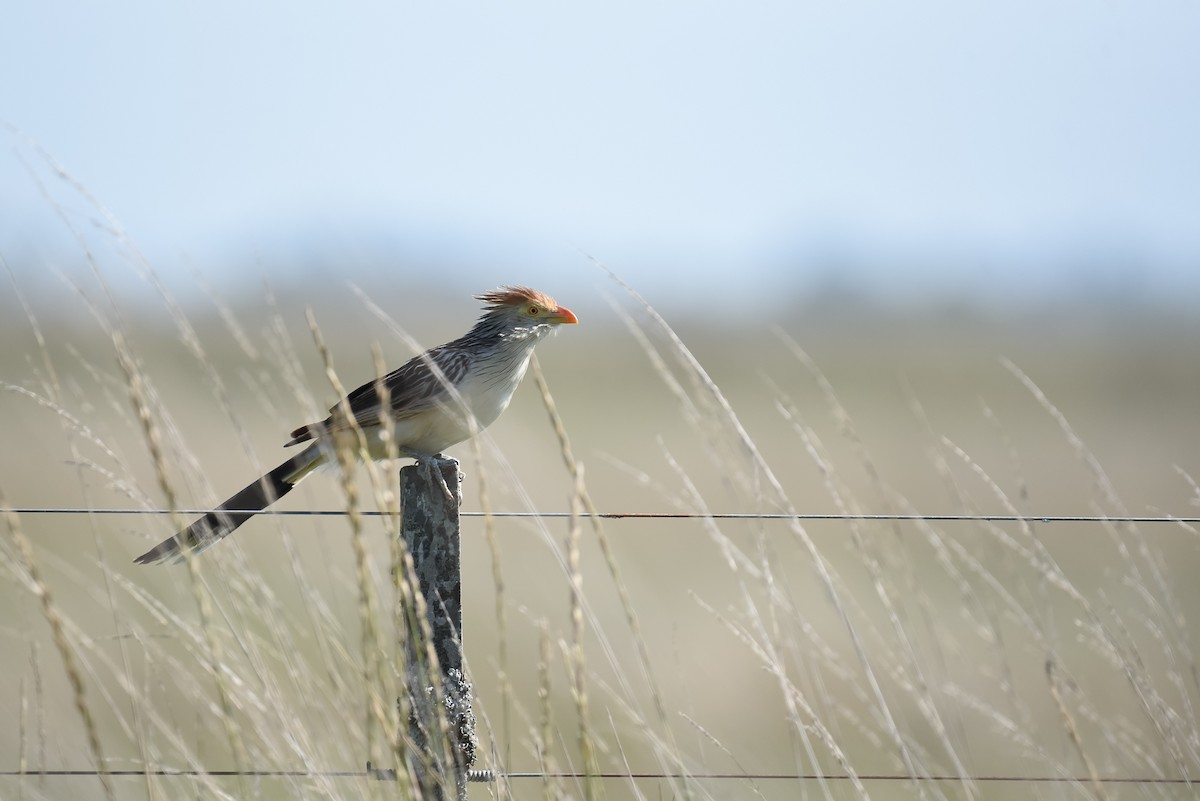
(847, 648)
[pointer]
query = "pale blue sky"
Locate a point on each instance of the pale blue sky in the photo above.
(996, 146)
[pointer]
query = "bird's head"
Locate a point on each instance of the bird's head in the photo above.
(524, 311)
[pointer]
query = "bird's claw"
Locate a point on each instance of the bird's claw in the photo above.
(432, 465)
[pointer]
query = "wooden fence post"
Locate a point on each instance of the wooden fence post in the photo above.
(441, 725)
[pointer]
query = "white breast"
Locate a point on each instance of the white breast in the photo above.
(483, 393)
(488, 392)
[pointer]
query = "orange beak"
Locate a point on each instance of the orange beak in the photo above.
(563, 315)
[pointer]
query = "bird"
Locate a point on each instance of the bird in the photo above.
(435, 400)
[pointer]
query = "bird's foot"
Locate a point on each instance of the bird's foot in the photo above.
(432, 465)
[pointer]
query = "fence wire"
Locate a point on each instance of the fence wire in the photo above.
(932, 518)
(568, 775)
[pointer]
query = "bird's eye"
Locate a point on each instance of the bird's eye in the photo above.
(533, 310)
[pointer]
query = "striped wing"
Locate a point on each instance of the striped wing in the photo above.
(412, 388)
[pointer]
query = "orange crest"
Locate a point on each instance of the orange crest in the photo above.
(516, 295)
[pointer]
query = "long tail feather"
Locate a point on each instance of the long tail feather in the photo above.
(219, 523)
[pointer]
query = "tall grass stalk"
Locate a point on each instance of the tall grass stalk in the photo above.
(66, 651)
(347, 448)
(575, 469)
(587, 746)
(502, 789)
(138, 396)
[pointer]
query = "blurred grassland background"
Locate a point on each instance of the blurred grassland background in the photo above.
(956, 622)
